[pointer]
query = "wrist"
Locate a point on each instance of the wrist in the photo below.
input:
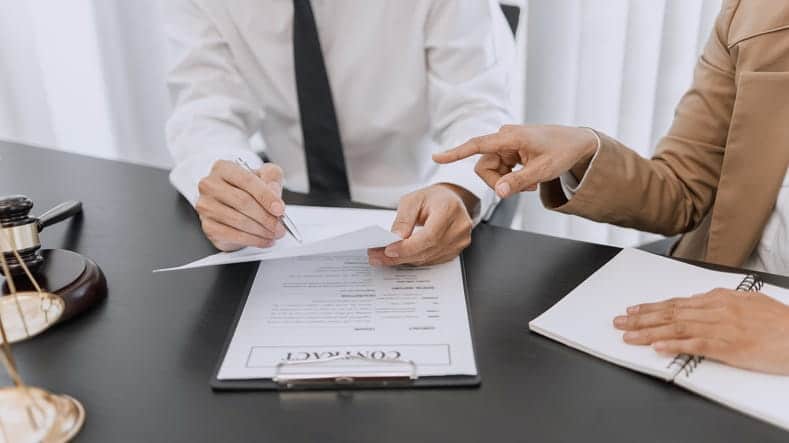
(590, 146)
(470, 201)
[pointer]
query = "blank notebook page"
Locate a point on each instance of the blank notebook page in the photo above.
(584, 318)
(760, 395)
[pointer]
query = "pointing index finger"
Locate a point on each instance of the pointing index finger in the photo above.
(465, 150)
(485, 144)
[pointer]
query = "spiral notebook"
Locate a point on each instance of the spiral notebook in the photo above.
(583, 320)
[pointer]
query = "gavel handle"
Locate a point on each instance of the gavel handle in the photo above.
(59, 213)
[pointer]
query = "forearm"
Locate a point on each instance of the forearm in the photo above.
(620, 187)
(214, 112)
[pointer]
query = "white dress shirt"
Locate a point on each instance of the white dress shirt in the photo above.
(771, 254)
(409, 78)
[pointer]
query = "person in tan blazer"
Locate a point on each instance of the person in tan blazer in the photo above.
(719, 178)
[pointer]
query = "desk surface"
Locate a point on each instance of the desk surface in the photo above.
(141, 362)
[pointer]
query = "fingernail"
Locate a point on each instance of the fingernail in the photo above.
(620, 321)
(399, 234)
(277, 208)
(391, 253)
(659, 346)
(631, 335)
(375, 262)
(632, 309)
(503, 189)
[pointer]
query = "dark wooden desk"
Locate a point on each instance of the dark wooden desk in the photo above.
(141, 362)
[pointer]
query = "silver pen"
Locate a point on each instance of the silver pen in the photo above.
(286, 221)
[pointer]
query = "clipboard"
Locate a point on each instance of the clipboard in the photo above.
(403, 374)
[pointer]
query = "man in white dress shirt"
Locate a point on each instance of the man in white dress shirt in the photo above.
(350, 97)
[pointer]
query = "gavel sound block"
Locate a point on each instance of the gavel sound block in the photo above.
(74, 277)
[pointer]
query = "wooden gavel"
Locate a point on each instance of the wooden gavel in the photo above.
(21, 230)
(74, 277)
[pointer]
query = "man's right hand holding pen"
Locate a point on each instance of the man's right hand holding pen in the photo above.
(238, 208)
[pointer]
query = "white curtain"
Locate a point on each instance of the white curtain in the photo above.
(616, 65)
(89, 76)
(85, 76)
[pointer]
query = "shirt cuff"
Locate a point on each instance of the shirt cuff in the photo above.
(570, 183)
(186, 175)
(462, 174)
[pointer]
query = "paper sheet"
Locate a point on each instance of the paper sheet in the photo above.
(325, 230)
(312, 308)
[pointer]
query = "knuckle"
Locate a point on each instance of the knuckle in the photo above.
(680, 328)
(248, 181)
(670, 314)
(202, 207)
(733, 311)
(210, 230)
(718, 292)
(204, 185)
(272, 170)
(277, 169)
(410, 197)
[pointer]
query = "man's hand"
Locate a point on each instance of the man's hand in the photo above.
(545, 152)
(239, 208)
(444, 211)
(748, 330)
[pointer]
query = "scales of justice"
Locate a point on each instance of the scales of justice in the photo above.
(28, 413)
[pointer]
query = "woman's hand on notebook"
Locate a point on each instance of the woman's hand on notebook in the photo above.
(750, 332)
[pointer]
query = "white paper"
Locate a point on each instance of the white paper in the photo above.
(584, 318)
(314, 307)
(324, 230)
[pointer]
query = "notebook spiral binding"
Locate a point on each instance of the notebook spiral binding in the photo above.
(751, 283)
(688, 363)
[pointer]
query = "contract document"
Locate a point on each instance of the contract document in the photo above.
(320, 307)
(325, 230)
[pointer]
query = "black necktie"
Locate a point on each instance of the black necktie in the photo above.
(322, 144)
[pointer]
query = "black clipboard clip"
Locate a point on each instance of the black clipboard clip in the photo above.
(291, 374)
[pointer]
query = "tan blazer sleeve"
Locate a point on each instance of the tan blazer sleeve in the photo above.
(672, 192)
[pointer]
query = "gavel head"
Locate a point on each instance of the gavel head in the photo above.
(19, 231)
